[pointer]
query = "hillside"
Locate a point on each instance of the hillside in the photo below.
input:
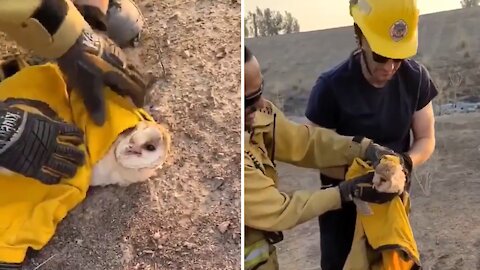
(449, 45)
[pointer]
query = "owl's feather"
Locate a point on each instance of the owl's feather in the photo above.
(134, 157)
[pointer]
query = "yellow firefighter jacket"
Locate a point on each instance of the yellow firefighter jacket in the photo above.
(30, 210)
(49, 41)
(383, 238)
(269, 211)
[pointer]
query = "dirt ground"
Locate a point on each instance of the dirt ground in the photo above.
(188, 218)
(445, 203)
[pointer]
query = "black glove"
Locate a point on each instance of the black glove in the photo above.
(38, 147)
(95, 61)
(362, 188)
(406, 163)
(375, 152)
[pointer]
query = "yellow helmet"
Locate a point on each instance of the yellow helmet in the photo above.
(390, 26)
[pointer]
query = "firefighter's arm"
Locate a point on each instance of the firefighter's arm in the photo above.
(314, 147)
(268, 209)
(47, 27)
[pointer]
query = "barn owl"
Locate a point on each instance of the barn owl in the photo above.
(134, 157)
(389, 177)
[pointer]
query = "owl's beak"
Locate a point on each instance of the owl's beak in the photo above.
(134, 150)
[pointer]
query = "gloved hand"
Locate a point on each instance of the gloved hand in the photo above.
(375, 152)
(95, 61)
(39, 147)
(362, 188)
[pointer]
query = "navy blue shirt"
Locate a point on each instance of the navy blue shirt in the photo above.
(342, 99)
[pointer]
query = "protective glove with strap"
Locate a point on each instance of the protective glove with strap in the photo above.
(95, 61)
(39, 147)
(362, 188)
(375, 152)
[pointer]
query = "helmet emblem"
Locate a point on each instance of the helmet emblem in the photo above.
(398, 30)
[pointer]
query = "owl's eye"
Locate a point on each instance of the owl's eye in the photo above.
(150, 147)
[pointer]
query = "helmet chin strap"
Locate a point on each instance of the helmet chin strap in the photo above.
(366, 63)
(362, 54)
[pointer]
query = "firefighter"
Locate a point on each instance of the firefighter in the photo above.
(379, 93)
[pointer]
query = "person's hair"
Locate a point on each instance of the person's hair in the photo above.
(358, 34)
(248, 55)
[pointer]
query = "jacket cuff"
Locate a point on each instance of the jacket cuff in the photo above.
(359, 146)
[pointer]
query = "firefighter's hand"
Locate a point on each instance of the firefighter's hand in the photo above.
(39, 147)
(362, 188)
(94, 62)
(375, 152)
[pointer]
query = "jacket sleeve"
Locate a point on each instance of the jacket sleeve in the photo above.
(48, 28)
(268, 209)
(313, 147)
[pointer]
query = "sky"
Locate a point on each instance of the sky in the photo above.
(322, 14)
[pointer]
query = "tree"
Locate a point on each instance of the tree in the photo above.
(269, 22)
(469, 3)
(290, 24)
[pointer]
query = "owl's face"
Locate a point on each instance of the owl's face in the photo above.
(145, 146)
(389, 177)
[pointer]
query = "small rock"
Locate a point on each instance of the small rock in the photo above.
(223, 227)
(156, 236)
(221, 53)
(175, 15)
(148, 251)
(189, 245)
(186, 54)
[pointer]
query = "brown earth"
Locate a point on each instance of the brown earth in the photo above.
(445, 203)
(189, 217)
